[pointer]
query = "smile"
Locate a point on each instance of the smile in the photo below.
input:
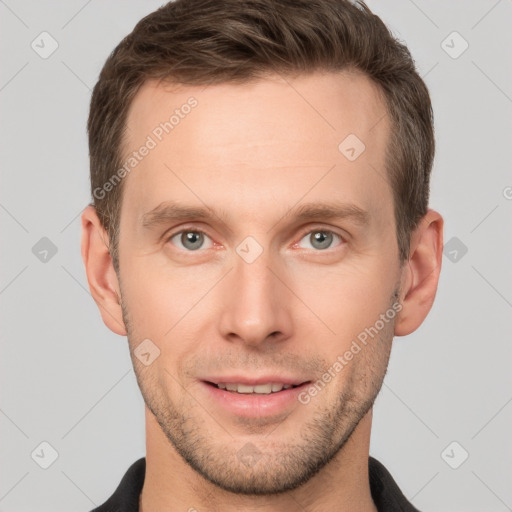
(254, 398)
(263, 389)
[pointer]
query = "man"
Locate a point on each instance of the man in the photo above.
(260, 231)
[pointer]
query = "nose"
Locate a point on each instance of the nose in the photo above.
(254, 303)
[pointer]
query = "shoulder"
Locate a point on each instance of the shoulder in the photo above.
(126, 496)
(386, 494)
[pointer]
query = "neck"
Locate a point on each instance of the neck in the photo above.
(172, 485)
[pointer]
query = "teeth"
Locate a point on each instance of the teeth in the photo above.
(263, 389)
(242, 388)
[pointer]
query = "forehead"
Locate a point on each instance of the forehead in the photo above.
(271, 138)
(325, 104)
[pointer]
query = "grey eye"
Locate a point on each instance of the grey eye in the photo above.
(319, 239)
(190, 240)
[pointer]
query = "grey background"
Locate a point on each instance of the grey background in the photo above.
(68, 381)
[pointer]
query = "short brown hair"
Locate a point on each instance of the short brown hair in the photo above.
(213, 41)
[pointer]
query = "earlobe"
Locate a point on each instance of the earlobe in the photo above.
(100, 271)
(420, 275)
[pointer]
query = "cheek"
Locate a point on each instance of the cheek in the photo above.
(158, 297)
(346, 300)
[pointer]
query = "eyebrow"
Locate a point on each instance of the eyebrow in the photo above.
(169, 211)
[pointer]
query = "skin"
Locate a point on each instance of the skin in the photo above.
(253, 154)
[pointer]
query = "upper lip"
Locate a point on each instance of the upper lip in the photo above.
(255, 381)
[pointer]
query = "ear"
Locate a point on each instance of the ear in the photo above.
(101, 274)
(420, 274)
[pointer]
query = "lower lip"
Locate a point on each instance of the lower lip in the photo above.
(254, 405)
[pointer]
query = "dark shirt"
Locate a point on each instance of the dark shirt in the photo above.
(385, 492)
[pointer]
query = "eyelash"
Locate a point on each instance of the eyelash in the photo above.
(303, 234)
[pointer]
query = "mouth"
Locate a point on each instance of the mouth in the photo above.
(258, 389)
(239, 397)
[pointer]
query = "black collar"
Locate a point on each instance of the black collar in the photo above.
(385, 492)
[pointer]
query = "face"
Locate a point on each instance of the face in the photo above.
(255, 252)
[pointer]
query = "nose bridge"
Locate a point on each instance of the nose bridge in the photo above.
(254, 304)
